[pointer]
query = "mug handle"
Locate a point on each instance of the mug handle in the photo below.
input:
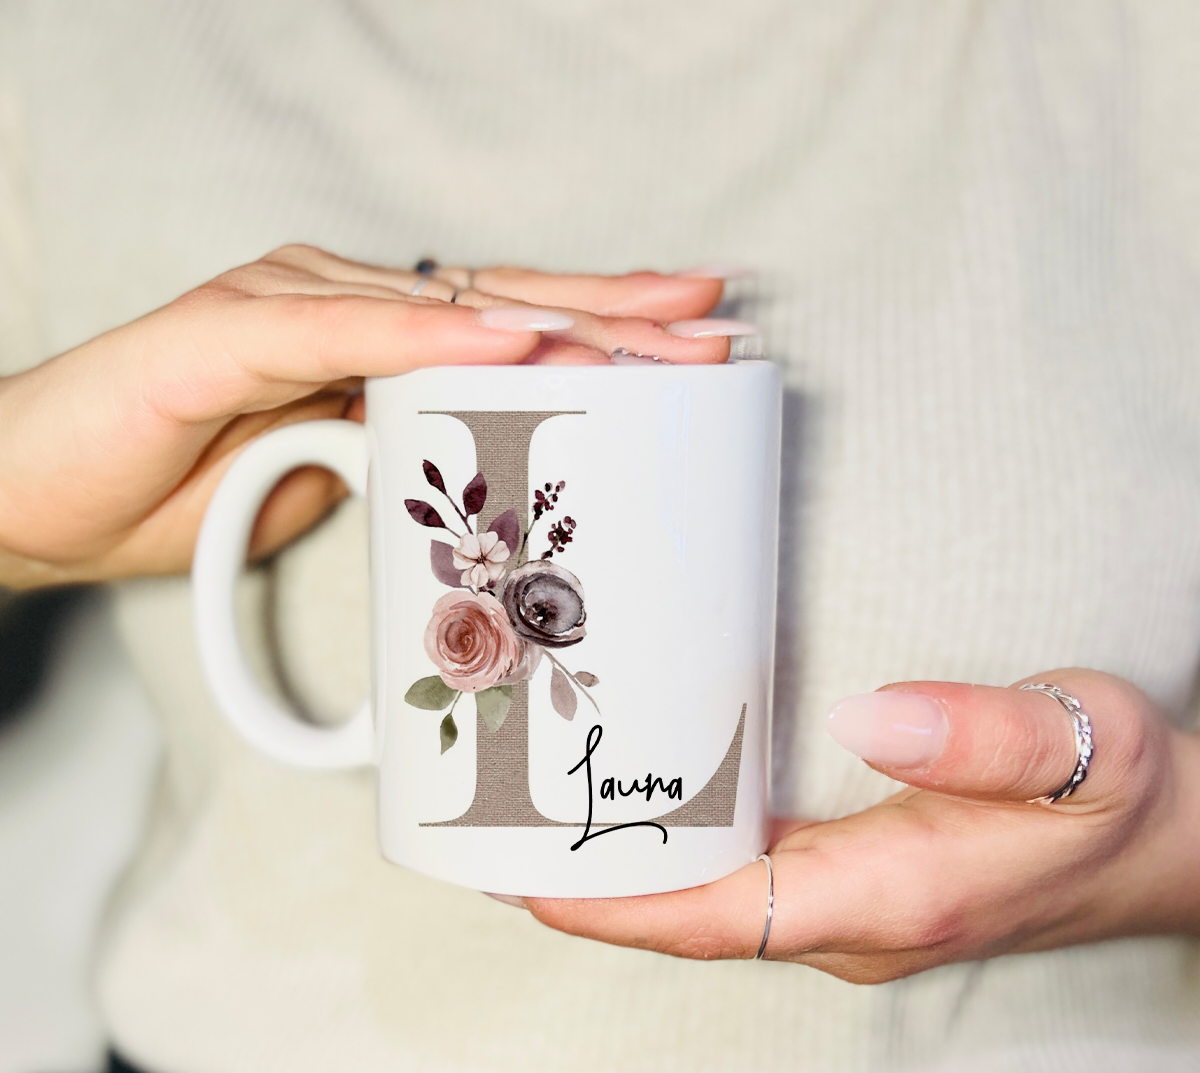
(220, 552)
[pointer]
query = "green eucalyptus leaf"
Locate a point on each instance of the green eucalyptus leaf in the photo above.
(430, 693)
(448, 731)
(492, 706)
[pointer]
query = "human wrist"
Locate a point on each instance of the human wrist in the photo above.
(1160, 892)
(21, 574)
(19, 570)
(1180, 912)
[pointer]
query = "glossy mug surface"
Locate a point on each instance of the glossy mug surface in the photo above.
(573, 584)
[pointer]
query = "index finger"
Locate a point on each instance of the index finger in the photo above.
(636, 294)
(248, 353)
(891, 883)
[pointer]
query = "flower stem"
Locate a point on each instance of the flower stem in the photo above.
(578, 684)
(459, 513)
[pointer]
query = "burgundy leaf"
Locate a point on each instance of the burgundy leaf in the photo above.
(434, 476)
(423, 514)
(562, 696)
(507, 528)
(441, 558)
(475, 494)
(586, 678)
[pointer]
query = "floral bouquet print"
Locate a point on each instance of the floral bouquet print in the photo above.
(503, 614)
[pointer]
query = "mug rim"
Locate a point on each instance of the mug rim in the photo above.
(663, 369)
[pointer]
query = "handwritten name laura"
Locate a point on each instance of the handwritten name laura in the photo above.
(610, 787)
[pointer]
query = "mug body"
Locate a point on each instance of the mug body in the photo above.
(574, 588)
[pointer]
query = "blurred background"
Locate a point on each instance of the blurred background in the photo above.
(78, 752)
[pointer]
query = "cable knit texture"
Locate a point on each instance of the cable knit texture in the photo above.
(978, 238)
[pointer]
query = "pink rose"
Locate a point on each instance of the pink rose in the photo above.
(526, 665)
(472, 644)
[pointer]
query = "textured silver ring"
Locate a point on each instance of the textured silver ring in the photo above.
(762, 947)
(1082, 726)
(622, 356)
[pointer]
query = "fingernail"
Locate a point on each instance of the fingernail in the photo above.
(509, 899)
(892, 729)
(708, 327)
(523, 319)
(714, 272)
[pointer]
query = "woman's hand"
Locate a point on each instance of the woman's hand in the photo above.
(960, 866)
(110, 452)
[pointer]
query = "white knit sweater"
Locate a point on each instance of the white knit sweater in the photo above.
(978, 233)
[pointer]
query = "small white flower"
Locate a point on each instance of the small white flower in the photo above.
(481, 558)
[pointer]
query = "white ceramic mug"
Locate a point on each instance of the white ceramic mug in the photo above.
(573, 600)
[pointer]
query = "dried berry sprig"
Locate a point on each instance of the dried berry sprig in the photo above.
(543, 501)
(560, 535)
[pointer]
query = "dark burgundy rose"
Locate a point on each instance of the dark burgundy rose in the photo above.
(544, 603)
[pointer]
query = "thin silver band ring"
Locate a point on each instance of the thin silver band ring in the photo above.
(1082, 727)
(762, 947)
(425, 269)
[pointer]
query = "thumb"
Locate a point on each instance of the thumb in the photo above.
(971, 741)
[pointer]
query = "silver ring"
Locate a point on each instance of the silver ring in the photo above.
(762, 947)
(1082, 726)
(425, 269)
(621, 356)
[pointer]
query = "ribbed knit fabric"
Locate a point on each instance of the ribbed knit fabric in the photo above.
(978, 238)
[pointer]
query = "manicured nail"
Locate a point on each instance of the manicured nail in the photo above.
(715, 272)
(509, 899)
(892, 729)
(709, 327)
(523, 319)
